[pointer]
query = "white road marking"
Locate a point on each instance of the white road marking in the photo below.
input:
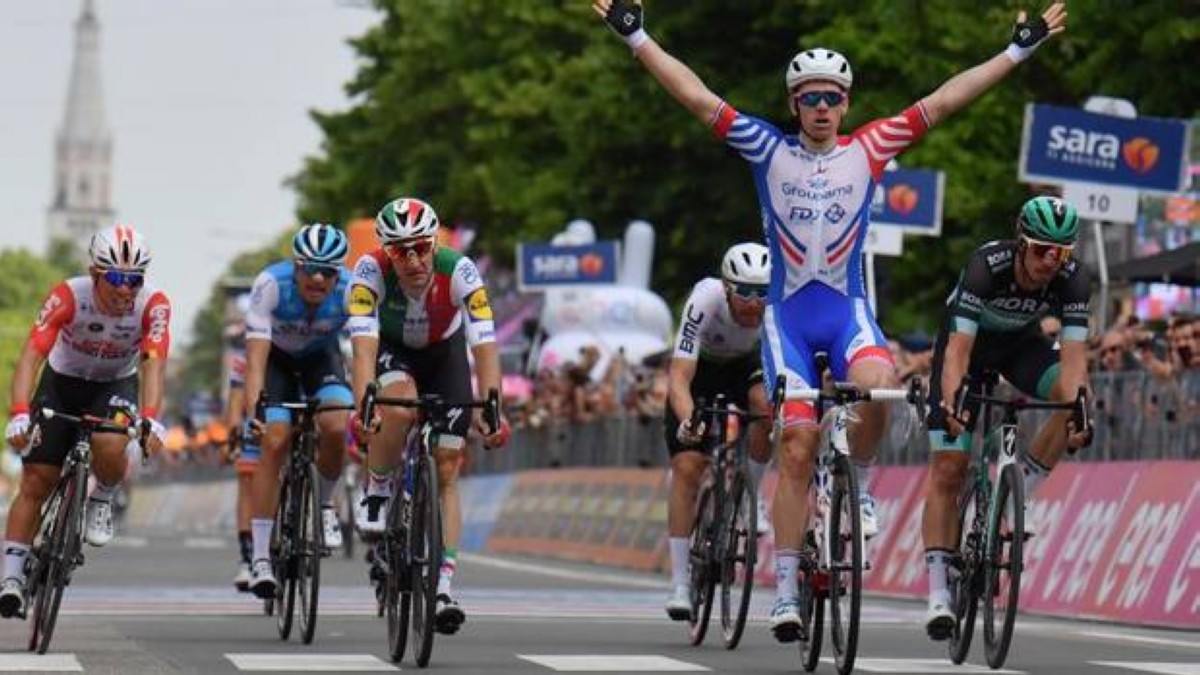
(325, 662)
(610, 663)
(206, 542)
(562, 573)
(125, 541)
(1129, 637)
(23, 663)
(1148, 667)
(919, 666)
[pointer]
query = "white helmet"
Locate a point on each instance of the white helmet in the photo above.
(405, 218)
(819, 64)
(747, 263)
(119, 247)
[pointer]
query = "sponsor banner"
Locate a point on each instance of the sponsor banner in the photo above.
(541, 266)
(482, 500)
(910, 199)
(1072, 145)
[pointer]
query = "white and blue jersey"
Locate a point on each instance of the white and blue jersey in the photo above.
(816, 210)
(279, 314)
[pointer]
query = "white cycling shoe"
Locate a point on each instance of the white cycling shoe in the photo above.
(785, 620)
(332, 527)
(870, 521)
(939, 621)
(99, 522)
(372, 515)
(262, 579)
(679, 604)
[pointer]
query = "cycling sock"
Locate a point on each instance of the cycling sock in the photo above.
(937, 560)
(1033, 473)
(787, 566)
(679, 560)
(379, 484)
(14, 559)
(865, 474)
(104, 493)
(447, 570)
(261, 529)
(327, 487)
(246, 546)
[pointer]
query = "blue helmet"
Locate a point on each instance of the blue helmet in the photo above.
(320, 244)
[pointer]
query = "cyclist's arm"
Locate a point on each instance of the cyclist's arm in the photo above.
(152, 382)
(257, 351)
(156, 345)
(487, 367)
(58, 310)
(25, 376)
(680, 81)
(264, 298)
(365, 350)
(680, 374)
(955, 361)
(1072, 358)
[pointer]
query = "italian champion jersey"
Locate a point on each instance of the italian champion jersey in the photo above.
(379, 307)
(81, 341)
(816, 207)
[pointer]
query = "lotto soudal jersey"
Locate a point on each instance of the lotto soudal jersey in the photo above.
(379, 307)
(987, 297)
(279, 314)
(816, 206)
(81, 341)
(707, 329)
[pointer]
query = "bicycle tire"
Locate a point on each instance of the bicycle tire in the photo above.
(846, 564)
(426, 548)
(701, 564)
(347, 522)
(740, 553)
(1002, 577)
(282, 544)
(52, 558)
(310, 546)
(813, 602)
(964, 587)
(397, 599)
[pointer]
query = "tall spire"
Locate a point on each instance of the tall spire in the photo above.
(82, 200)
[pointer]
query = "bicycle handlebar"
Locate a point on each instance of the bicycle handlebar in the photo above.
(432, 404)
(94, 424)
(1078, 407)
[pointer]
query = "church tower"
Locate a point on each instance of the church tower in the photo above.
(82, 199)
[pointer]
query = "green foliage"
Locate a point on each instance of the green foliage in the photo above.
(521, 114)
(26, 281)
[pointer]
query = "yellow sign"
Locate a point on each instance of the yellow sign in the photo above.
(477, 305)
(362, 301)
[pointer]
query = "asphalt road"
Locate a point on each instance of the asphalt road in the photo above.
(164, 604)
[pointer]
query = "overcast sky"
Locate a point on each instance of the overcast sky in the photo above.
(207, 101)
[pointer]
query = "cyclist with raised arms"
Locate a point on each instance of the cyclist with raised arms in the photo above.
(297, 308)
(815, 190)
(416, 307)
(993, 321)
(716, 352)
(99, 335)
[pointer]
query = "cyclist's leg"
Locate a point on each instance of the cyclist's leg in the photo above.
(325, 379)
(948, 463)
(109, 460)
(1037, 373)
(280, 385)
(246, 467)
(756, 400)
(386, 449)
(785, 352)
(687, 468)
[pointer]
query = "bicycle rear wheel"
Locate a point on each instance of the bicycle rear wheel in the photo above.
(845, 564)
(56, 556)
(964, 582)
(282, 560)
(740, 552)
(1002, 564)
(426, 547)
(702, 565)
(814, 590)
(310, 546)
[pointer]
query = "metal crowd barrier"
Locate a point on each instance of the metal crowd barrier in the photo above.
(1136, 417)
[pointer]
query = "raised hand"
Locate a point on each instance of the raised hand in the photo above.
(625, 18)
(1029, 34)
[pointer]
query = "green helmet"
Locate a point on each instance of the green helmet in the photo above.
(1049, 219)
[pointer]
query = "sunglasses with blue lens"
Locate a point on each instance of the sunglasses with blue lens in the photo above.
(813, 98)
(315, 269)
(123, 278)
(749, 291)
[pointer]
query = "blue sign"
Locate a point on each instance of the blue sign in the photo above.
(545, 265)
(1073, 145)
(910, 199)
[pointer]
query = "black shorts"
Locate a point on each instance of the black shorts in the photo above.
(290, 379)
(734, 379)
(1022, 357)
(75, 396)
(440, 368)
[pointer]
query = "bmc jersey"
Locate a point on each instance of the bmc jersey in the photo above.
(987, 297)
(815, 207)
(80, 341)
(279, 314)
(707, 330)
(380, 308)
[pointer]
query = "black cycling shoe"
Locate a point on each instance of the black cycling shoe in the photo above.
(449, 616)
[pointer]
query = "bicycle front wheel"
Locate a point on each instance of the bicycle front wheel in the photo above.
(56, 556)
(701, 564)
(814, 589)
(282, 560)
(425, 542)
(739, 553)
(845, 541)
(310, 546)
(964, 581)
(1003, 563)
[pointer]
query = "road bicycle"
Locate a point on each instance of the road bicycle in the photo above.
(991, 520)
(408, 557)
(832, 559)
(724, 541)
(58, 545)
(298, 536)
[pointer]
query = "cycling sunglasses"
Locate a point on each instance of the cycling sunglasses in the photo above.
(401, 250)
(120, 278)
(1042, 249)
(812, 99)
(749, 291)
(316, 269)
